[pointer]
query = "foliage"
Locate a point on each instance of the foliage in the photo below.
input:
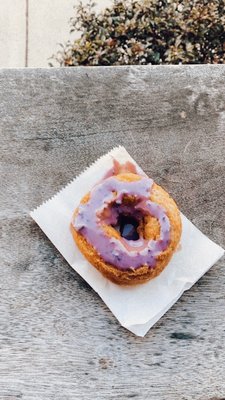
(147, 32)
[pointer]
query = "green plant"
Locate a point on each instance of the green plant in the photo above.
(147, 32)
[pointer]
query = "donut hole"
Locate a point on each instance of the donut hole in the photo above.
(132, 227)
(128, 219)
(127, 226)
(123, 220)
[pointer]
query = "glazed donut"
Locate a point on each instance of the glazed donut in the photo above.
(127, 226)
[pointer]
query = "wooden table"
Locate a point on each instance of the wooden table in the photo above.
(58, 341)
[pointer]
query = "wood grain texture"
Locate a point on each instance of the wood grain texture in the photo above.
(57, 338)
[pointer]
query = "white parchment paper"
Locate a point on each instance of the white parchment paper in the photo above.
(137, 308)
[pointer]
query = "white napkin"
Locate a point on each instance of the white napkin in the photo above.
(137, 308)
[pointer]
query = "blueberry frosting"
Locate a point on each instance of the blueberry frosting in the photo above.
(106, 204)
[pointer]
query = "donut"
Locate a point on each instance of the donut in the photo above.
(127, 226)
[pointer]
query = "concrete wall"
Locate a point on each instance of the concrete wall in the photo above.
(31, 29)
(12, 33)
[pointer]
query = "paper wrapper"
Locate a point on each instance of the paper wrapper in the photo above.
(137, 308)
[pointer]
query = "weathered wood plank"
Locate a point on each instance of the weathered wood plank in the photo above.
(57, 339)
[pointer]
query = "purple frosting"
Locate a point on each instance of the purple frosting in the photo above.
(104, 208)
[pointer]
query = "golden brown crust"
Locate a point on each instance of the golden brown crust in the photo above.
(150, 230)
